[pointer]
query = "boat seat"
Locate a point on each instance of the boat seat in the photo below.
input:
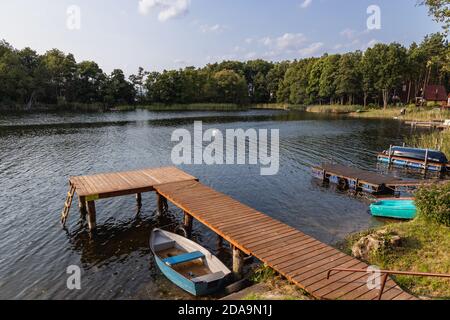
(210, 277)
(183, 258)
(163, 245)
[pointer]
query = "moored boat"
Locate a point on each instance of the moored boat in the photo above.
(397, 209)
(187, 264)
(432, 160)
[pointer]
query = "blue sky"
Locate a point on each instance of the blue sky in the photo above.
(159, 34)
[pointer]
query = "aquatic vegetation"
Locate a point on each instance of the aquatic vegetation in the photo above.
(334, 108)
(412, 114)
(438, 140)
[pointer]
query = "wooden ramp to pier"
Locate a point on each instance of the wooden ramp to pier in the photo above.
(300, 258)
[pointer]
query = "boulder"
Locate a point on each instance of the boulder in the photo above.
(375, 242)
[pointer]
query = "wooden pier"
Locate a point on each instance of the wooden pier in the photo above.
(302, 259)
(362, 180)
(109, 185)
(429, 124)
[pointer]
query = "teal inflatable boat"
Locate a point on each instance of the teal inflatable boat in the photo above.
(397, 209)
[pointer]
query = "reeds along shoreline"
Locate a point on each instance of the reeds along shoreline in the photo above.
(437, 140)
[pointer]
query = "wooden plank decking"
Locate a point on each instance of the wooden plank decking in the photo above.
(101, 186)
(361, 175)
(300, 258)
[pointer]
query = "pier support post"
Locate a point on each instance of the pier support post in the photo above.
(390, 155)
(82, 206)
(188, 221)
(425, 165)
(238, 263)
(138, 203)
(92, 223)
(219, 243)
(162, 205)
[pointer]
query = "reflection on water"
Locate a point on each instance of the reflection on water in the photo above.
(39, 152)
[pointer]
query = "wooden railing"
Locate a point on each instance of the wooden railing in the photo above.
(386, 273)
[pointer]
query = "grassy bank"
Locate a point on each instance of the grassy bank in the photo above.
(186, 107)
(438, 140)
(275, 287)
(338, 109)
(61, 107)
(279, 106)
(424, 244)
(412, 114)
(212, 107)
(425, 248)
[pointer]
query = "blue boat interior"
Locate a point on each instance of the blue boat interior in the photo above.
(183, 258)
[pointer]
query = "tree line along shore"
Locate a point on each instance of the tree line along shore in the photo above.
(383, 75)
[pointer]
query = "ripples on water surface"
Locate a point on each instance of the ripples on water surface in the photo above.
(39, 152)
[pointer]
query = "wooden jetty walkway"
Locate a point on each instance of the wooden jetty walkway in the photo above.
(429, 124)
(302, 259)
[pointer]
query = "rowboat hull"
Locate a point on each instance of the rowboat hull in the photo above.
(411, 163)
(396, 209)
(202, 274)
(431, 160)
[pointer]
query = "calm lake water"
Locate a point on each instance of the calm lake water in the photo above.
(38, 153)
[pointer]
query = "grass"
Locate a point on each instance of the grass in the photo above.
(186, 107)
(412, 114)
(278, 288)
(279, 106)
(262, 297)
(62, 106)
(334, 108)
(425, 248)
(437, 140)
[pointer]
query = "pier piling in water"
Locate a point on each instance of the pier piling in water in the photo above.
(138, 202)
(162, 205)
(82, 207)
(92, 215)
(188, 222)
(238, 263)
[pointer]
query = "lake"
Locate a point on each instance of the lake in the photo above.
(38, 153)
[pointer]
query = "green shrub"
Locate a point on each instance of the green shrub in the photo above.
(433, 203)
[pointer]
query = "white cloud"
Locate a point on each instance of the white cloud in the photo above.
(168, 9)
(250, 55)
(371, 43)
(217, 28)
(306, 4)
(348, 33)
(286, 42)
(181, 62)
(311, 49)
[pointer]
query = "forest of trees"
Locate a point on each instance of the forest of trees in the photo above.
(377, 76)
(371, 77)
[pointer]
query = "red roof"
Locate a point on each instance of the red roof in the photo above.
(435, 93)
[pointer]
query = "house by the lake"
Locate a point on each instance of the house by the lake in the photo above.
(436, 94)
